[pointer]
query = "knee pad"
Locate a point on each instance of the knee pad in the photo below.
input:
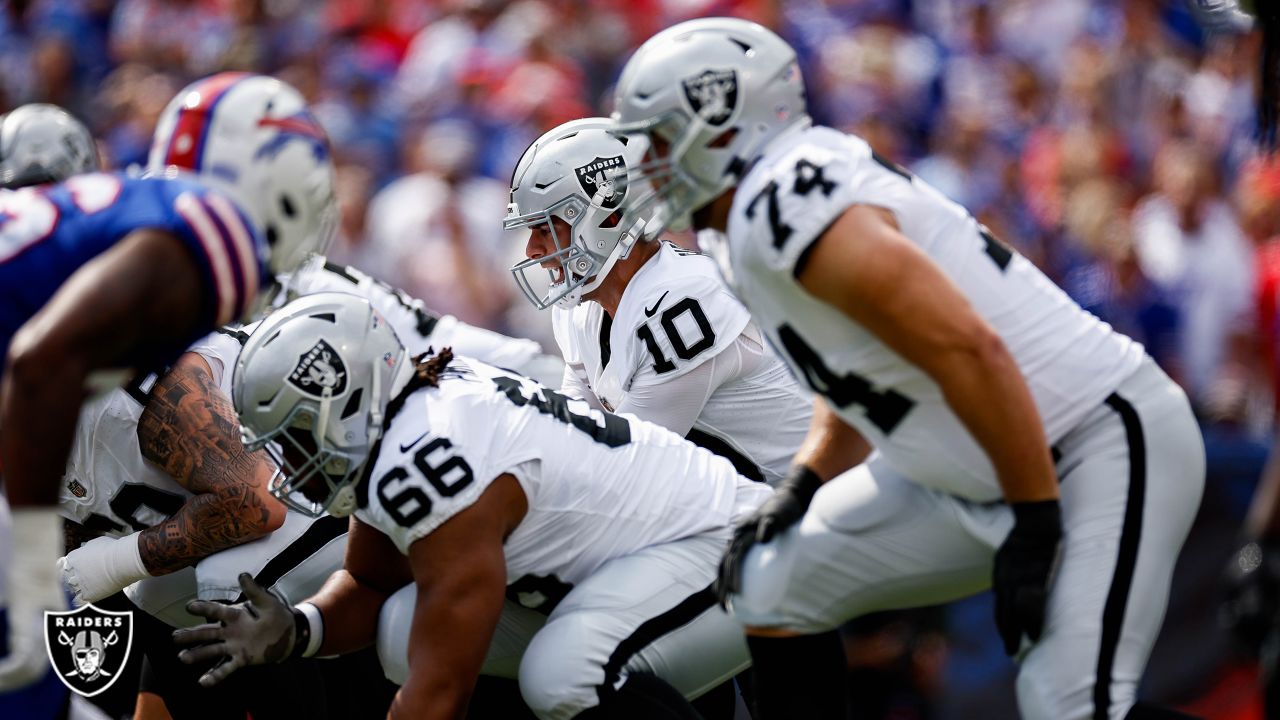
(556, 688)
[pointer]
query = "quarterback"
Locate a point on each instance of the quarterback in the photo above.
(1022, 444)
(646, 327)
(484, 485)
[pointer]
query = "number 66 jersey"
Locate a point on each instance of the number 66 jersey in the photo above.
(1070, 359)
(599, 486)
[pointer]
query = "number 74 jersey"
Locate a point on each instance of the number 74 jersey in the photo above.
(1070, 359)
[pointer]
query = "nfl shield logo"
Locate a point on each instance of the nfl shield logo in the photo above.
(88, 647)
(713, 95)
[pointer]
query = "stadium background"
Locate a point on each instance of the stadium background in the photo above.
(1109, 140)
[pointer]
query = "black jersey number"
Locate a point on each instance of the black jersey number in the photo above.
(884, 409)
(405, 500)
(616, 431)
(809, 177)
(684, 349)
(130, 498)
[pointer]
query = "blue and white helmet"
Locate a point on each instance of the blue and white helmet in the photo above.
(252, 137)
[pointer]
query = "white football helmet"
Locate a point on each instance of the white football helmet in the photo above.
(311, 386)
(578, 173)
(252, 137)
(714, 92)
(42, 143)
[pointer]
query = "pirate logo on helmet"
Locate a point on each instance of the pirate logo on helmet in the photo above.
(319, 369)
(713, 95)
(604, 180)
(88, 647)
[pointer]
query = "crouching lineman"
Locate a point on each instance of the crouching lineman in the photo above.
(957, 359)
(486, 484)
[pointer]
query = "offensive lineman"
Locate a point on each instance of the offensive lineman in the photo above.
(104, 275)
(646, 328)
(487, 484)
(957, 360)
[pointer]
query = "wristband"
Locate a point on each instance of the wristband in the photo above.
(308, 629)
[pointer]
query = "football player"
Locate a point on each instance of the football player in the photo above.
(956, 359)
(39, 143)
(646, 327)
(104, 275)
(475, 483)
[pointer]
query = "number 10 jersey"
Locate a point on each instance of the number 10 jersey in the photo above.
(1070, 359)
(599, 486)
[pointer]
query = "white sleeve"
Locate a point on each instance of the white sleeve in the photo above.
(675, 403)
(576, 387)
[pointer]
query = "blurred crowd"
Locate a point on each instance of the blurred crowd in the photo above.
(1109, 140)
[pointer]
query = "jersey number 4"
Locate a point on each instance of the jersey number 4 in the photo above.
(884, 409)
(405, 500)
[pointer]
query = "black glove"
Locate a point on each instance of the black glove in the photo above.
(1252, 604)
(261, 630)
(789, 502)
(1024, 569)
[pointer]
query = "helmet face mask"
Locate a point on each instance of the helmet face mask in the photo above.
(311, 388)
(576, 186)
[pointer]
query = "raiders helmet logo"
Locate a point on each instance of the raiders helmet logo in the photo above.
(713, 95)
(319, 369)
(88, 647)
(604, 180)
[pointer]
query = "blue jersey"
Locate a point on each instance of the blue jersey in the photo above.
(47, 233)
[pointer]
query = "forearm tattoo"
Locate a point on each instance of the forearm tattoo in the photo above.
(189, 429)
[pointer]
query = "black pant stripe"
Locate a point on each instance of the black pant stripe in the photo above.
(1118, 596)
(745, 466)
(650, 630)
(309, 543)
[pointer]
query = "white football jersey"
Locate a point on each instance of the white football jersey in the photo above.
(419, 328)
(675, 314)
(599, 486)
(108, 486)
(1070, 359)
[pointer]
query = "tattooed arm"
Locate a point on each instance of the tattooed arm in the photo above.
(189, 430)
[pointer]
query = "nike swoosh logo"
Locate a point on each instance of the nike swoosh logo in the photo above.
(648, 312)
(405, 447)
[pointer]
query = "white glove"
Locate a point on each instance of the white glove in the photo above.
(102, 567)
(33, 588)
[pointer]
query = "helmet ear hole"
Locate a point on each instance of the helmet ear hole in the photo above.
(273, 235)
(612, 221)
(287, 207)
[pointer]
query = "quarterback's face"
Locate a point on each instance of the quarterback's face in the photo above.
(542, 242)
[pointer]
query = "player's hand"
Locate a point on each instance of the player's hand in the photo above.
(1024, 568)
(1251, 608)
(102, 567)
(789, 502)
(258, 631)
